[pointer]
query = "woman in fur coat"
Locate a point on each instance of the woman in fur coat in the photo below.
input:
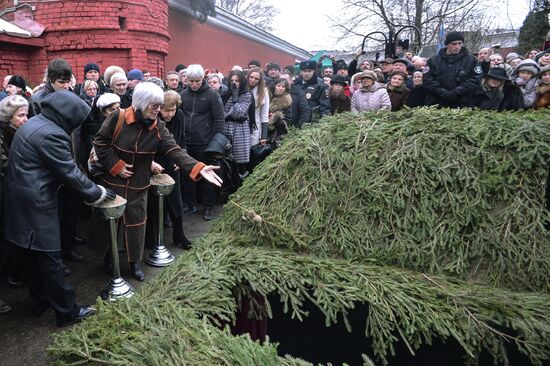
(543, 89)
(280, 111)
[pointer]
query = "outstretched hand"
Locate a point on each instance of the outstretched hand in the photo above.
(208, 173)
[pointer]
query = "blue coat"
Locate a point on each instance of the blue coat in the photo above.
(40, 161)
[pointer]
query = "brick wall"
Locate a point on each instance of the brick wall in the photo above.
(131, 34)
(193, 42)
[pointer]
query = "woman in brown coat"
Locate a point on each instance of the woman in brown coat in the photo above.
(128, 159)
(397, 90)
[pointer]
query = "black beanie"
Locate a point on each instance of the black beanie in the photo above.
(180, 67)
(453, 37)
(19, 82)
(91, 66)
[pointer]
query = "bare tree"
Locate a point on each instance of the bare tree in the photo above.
(256, 12)
(359, 17)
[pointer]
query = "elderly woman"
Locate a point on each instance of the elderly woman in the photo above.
(397, 90)
(13, 113)
(372, 96)
(89, 91)
(128, 160)
(172, 116)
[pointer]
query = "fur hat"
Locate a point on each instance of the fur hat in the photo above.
(527, 65)
(135, 74)
(110, 71)
(543, 70)
(453, 37)
(308, 65)
(512, 56)
(107, 99)
(338, 79)
(497, 73)
(273, 65)
(156, 81)
(19, 82)
(401, 73)
(91, 66)
(368, 74)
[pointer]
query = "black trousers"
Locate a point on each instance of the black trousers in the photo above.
(69, 206)
(209, 190)
(46, 283)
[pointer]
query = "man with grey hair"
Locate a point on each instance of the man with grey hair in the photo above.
(119, 86)
(203, 117)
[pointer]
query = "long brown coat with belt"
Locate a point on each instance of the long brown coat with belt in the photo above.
(137, 144)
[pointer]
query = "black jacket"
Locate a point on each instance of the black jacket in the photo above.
(513, 98)
(451, 80)
(488, 99)
(300, 107)
(316, 94)
(37, 98)
(202, 114)
(417, 97)
(40, 161)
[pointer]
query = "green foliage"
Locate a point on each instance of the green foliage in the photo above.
(439, 191)
(432, 218)
(534, 29)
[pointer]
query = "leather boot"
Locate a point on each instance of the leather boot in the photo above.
(178, 235)
(136, 271)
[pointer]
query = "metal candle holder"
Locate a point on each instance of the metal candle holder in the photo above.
(161, 185)
(117, 287)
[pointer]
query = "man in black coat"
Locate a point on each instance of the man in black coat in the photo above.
(453, 75)
(315, 89)
(301, 112)
(40, 161)
(203, 116)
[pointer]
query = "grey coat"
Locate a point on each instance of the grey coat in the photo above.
(237, 126)
(40, 161)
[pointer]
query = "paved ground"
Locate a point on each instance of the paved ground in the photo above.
(24, 338)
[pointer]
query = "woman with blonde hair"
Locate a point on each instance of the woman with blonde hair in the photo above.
(256, 85)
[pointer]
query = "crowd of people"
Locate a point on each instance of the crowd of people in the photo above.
(109, 134)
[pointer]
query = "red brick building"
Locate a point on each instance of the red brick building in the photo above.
(147, 34)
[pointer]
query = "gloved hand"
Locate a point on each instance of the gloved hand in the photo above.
(110, 194)
(234, 91)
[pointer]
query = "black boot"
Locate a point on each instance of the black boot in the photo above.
(136, 271)
(178, 235)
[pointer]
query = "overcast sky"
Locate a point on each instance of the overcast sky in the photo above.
(305, 23)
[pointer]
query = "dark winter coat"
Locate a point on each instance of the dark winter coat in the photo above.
(202, 114)
(126, 99)
(37, 98)
(300, 107)
(513, 98)
(339, 103)
(316, 92)
(137, 144)
(40, 161)
(451, 80)
(417, 96)
(488, 99)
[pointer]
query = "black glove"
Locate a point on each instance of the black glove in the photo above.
(110, 194)
(234, 91)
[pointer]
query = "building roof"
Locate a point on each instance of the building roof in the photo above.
(13, 30)
(235, 24)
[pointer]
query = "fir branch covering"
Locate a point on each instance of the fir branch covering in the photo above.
(454, 248)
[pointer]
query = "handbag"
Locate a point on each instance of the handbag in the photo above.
(94, 166)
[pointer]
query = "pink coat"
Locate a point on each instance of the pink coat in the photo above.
(374, 98)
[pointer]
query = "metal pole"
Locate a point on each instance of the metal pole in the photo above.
(161, 221)
(114, 249)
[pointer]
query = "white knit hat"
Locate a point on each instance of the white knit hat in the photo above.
(527, 65)
(107, 99)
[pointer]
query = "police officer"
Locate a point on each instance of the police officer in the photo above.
(315, 90)
(453, 75)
